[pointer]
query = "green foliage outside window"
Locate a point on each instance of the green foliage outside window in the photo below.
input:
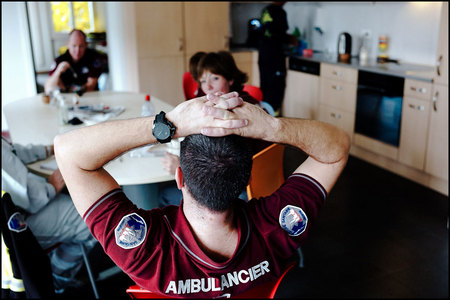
(62, 14)
(81, 13)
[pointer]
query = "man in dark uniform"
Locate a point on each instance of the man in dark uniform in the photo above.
(272, 60)
(78, 69)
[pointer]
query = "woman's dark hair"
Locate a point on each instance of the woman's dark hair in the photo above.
(215, 169)
(193, 63)
(222, 63)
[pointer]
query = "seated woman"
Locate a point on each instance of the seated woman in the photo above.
(191, 86)
(215, 72)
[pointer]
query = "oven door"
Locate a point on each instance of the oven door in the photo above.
(379, 107)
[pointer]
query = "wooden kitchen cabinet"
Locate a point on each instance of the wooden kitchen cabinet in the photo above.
(437, 149)
(247, 62)
(167, 34)
(436, 162)
(414, 126)
(160, 53)
(207, 27)
(442, 55)
(337, 117)
(301, 95)
(337, 96)
(413, 134)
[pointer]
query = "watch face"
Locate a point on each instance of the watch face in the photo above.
(161, 131)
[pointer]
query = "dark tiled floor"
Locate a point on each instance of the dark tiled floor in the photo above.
(378, 236)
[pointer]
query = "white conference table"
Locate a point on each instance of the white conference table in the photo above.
(30, 120)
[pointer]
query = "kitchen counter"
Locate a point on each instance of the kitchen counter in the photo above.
(406, 70)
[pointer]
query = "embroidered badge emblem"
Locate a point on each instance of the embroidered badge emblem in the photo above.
(131, 231)
(293, 220)
(17, 222)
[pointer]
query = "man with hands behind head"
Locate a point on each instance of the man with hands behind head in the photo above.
(213, 244)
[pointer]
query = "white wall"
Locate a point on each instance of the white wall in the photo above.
(17, 65)
(122, 51)
(412, 27)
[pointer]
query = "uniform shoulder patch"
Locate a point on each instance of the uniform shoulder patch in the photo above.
(131, 231)
(17, 222)
(293, 220)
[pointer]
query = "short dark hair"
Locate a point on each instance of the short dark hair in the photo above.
(215, 169)
(222, 63)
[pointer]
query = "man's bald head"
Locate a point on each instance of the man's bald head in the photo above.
(77, 44)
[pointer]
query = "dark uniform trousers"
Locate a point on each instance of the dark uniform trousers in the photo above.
(30, 266)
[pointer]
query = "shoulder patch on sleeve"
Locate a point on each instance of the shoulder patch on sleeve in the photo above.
(293, 220)
(17, 222)
(131, 231)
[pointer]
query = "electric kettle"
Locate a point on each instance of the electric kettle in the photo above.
(344, 47)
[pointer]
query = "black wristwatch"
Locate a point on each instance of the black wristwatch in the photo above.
(163, 130)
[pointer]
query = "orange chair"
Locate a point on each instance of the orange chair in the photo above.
(267, 171)
(190, 86)
(264, 291)
(268, 175)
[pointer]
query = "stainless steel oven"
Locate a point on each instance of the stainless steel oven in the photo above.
(379, 107)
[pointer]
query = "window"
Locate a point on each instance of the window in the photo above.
(70, 15)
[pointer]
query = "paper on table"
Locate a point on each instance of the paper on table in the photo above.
(157, 150)
(90, 117)
(49, 165)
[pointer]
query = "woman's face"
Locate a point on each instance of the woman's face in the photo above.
(212, 83)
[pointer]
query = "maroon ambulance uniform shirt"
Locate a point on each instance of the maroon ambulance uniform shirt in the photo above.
(158, 251)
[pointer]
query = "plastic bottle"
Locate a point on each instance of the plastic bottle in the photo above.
(147, 108)
(382, 48)
(63, 110)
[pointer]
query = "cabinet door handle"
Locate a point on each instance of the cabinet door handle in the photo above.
(435, 97)
(438, 66)
(336, 116)
(337, 73)
(420, 90)
(418, 107)
(181, 44)
(336, 87)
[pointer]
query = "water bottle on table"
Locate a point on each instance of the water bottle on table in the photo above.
(147, 108)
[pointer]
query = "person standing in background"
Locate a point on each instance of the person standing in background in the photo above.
(272, 60)
(78, 69)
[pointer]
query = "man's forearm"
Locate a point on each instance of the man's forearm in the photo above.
(51, 83)
(322, 141)
(92, 147)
